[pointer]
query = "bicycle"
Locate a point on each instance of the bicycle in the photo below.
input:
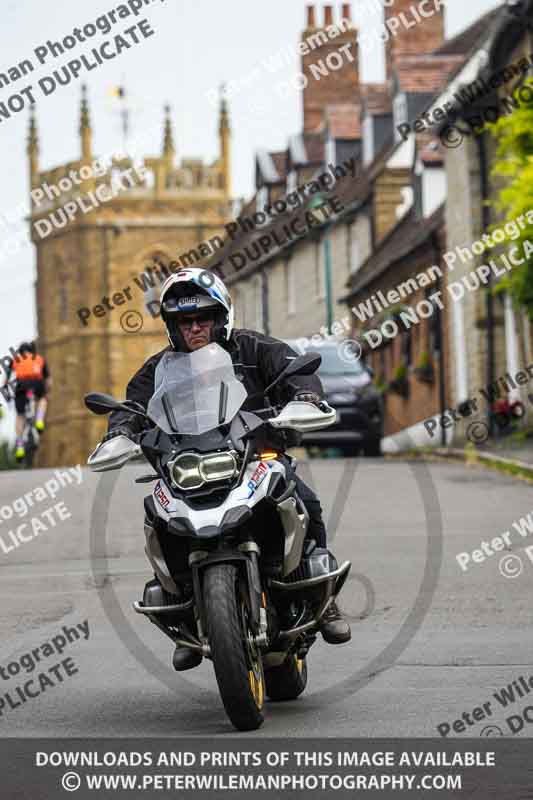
(30, 435)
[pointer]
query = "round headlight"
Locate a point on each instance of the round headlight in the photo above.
(185, 471)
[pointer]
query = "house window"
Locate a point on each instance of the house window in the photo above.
(435, 343)
(399, 109)
(407, 347)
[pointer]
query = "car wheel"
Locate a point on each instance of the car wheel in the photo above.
(372, 448)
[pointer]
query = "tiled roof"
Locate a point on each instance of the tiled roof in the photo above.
(306, 148)
(401, 241)
(427, 73)
(469, 38)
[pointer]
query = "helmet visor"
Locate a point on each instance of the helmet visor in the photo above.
(188, 303)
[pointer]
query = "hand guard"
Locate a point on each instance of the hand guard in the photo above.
(312, 397)
(120, 430)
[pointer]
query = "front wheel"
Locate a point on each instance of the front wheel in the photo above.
(237, 662)
(288, 680)
(31, 449)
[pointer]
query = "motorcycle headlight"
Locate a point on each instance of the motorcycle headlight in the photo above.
(219, 467)
(192, 470)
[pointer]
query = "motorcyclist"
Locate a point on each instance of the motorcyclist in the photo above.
(32, 374)
(197, 310)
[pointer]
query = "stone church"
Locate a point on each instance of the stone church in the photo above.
(93, 324)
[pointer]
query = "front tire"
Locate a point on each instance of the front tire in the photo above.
(238, 665)
(30, 449)
(288, 680)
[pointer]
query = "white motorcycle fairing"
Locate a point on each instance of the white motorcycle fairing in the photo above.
(209, 522)
(302, 416)
(169, 507)
(113, 454)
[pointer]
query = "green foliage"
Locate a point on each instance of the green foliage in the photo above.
(514, 165)
(7, 459)
(381, 385)
(400, 373)
(424, 361)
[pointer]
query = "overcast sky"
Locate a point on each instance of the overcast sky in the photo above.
(196, 46)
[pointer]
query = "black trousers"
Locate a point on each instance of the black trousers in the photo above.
(317, 529)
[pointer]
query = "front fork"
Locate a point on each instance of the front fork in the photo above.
(246, 556)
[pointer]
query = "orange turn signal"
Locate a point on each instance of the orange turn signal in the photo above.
(269, 455)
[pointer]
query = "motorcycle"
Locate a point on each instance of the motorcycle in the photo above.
(237, 580)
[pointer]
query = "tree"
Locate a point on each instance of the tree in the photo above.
(514, 164)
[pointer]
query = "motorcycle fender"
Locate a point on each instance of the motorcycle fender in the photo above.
(253, 582)
(295, 526)
(157, 560)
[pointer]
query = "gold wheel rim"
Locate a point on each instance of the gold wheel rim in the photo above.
(257, 688)
(299, 664)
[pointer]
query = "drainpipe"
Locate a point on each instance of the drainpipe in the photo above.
(485, 222)
(265, 301)
(327, 281)
(442, 372)
(105, 275)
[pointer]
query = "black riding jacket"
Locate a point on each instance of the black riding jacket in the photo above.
(257, 359)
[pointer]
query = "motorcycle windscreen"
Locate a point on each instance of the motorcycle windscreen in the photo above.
(195, 392)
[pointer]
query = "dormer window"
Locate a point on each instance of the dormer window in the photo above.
(399, 110)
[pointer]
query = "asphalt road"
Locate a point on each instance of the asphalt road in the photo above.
(429, 641)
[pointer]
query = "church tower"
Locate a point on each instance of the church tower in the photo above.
(101, 239)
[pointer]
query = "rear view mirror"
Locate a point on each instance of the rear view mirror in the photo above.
(100, 403)
(301, 365)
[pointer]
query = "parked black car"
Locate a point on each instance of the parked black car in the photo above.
(359, 405)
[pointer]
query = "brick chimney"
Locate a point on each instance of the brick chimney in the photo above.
(407, 35)
(332, 74)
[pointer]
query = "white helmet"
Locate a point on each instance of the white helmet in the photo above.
(194, 289)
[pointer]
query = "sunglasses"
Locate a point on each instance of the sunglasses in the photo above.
(201, 319)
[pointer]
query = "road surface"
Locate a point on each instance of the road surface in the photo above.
(430, 642)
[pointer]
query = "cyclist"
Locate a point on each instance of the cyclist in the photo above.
(32, 374)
